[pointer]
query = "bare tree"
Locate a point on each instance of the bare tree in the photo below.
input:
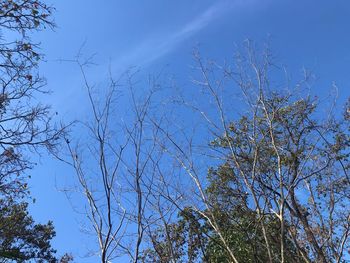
(114, 164)
(25, 125)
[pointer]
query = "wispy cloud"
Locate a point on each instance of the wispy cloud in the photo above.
(151, 49)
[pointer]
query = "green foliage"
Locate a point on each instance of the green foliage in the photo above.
(192, 239)
(21, 239)
(240, 225)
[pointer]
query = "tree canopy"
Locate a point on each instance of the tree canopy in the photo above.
(25, 128)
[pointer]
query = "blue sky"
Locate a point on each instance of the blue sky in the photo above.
(157, 33)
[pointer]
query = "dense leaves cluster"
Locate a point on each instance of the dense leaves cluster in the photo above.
(20, 238)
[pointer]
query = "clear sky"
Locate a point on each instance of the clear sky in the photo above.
(155, 33)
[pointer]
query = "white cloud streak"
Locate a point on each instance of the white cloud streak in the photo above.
(152, 49)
